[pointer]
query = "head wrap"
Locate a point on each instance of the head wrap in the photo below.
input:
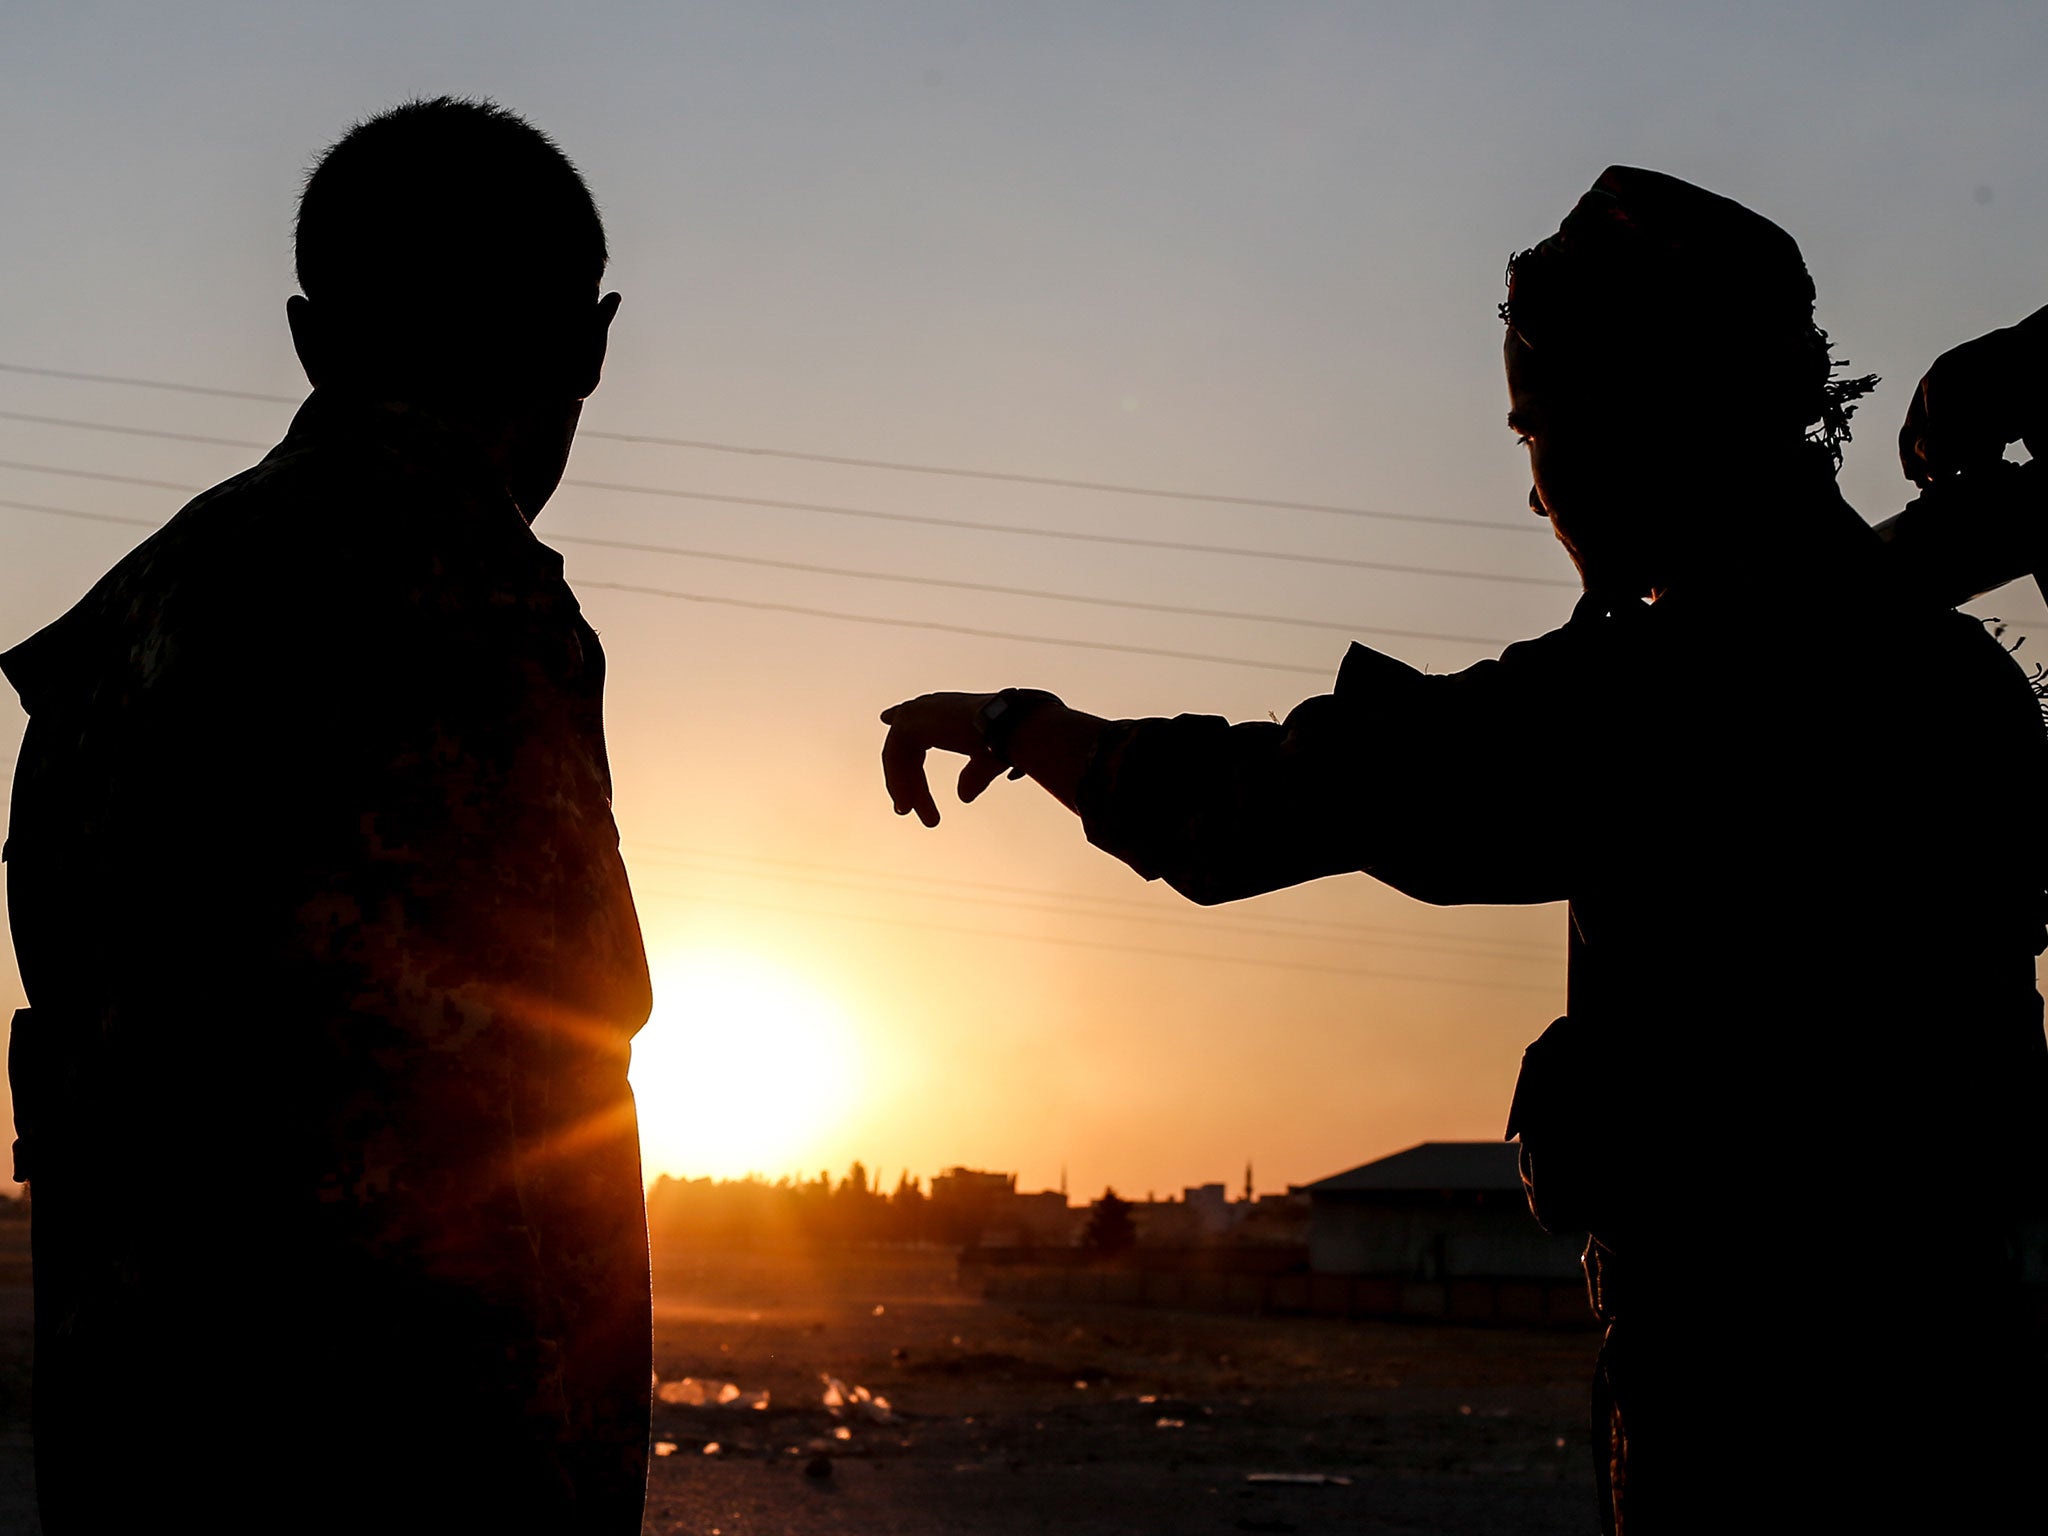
(1650, 273)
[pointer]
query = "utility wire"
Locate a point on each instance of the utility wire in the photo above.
(1115, 488)
(1064, 641)
(893, 576)
(1464, 952)
(1033, 592)
(777, 504)
(100, 474)
(1098, 944)
(117, 378)
(1072, 535)
(893, 465)
(87, 517)
(953, 629)
(125, 430)
(827, 570)
(1055, 896)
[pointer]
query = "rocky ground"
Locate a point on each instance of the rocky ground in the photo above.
(897, 1403)
(1004, 1420)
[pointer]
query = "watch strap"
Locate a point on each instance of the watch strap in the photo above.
(997, 720)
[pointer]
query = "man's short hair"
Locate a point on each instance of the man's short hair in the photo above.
(446, 194)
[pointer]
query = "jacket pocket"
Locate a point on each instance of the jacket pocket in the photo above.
(1564, 1114)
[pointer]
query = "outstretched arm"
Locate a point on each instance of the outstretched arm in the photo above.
(1218, 811)
(1392, 772)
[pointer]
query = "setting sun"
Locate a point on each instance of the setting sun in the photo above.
(743, 1068)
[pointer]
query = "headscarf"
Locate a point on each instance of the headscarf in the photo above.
(1650, 273)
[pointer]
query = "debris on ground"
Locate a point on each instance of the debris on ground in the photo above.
(858, 1401)
(708, 1392)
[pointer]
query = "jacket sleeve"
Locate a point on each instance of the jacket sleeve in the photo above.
(1453, 788)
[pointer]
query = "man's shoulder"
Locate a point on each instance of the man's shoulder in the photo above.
(324, 535)
(1597, 638)
(188, 563)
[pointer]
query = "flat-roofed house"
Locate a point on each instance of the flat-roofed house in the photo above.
(1442, 1229)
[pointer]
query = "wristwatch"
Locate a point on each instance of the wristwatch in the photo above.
(997, 720)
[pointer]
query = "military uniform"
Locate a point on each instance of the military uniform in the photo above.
(1799, 1090)
(333, 971)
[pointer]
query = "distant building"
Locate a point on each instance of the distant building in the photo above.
(1044, 1219)
(1440, 1232)
(1444, 1210)
(972, 1186)
(1211, 1208)
(1273, 1221)
(984, 1209)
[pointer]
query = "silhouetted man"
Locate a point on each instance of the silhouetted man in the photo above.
(1789, 799)
(330, 954)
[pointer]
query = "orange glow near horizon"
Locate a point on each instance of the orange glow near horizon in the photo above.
(743, 1068)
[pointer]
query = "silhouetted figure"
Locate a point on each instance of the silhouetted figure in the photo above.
(331, 958)
(1791, 802)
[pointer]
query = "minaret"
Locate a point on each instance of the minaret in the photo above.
(1248, 1196)
(1063, 1181)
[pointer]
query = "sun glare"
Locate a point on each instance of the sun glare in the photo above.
(744, 1068)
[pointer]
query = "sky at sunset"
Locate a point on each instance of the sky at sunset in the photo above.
(1248, 250)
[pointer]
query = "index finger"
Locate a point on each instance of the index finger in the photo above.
(903, 773)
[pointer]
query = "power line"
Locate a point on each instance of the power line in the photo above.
(1025, 530)
(891, 576)
(1151, 919)
(953, 629)
(88, 517)
(75, 424)
(166, 384)
(1043, 894)
(100, 474)
(1115, 488)
(1071, 535)
(1032, 592)
(1064, 641)
(1099, 944)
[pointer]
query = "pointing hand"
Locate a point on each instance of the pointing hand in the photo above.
(942, 722)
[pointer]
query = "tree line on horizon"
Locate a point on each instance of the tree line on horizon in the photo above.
(855, 1209)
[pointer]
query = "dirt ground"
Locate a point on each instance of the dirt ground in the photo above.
(1082, 1421)
(1003, 1420)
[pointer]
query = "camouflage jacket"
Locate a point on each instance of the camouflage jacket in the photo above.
(328, 944)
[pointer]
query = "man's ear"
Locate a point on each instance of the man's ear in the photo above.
(306, 338)
(591, 365)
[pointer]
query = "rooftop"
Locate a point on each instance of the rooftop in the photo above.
(1447, 1165)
